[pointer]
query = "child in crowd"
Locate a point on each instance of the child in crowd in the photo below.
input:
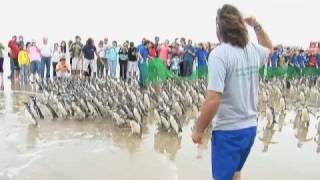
(24, 64)
(62, 68)
(56, 55)
(175, 65)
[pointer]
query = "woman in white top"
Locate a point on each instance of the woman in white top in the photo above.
(56, 55)
(100, 63)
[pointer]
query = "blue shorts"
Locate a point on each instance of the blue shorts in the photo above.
(230, 150)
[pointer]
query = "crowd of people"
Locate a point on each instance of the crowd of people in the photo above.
(294, 57)
(31, 60)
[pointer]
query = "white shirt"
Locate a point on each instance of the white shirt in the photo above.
(45, 50)
(101, 52)
(56, 55)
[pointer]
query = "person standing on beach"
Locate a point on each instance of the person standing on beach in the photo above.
(24, 64)
(113, 56)
(101, 60)
(56, 55)
(104, 58)
(189, 53)
(75, 52)
(89, 50)
(13, 54)
(1, 66)
(123, 61)
(46, 52)
(157, 45)
(232, 95)
(201, 56)
(164, 53)
(35, 58)
(132, 64)
(143, 57)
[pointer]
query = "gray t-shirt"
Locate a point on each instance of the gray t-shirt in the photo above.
(234, 72)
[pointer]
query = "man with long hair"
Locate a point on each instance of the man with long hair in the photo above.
(232, 95)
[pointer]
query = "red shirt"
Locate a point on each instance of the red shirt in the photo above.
(14, 49)
(313, 61)
(152, 53)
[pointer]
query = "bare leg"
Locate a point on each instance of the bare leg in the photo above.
(237, 176)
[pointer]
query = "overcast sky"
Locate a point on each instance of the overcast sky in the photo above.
(292, 22)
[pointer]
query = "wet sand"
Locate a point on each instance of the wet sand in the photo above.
(73, 150)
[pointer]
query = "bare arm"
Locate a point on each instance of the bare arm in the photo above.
(263, 38)
(208, 111)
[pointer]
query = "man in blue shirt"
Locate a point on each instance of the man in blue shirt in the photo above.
(189, 54)
(201, 55)
(275, 58)
(143, 54)
(89, 50)
(301, 59)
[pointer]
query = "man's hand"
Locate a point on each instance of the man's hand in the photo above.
(251, 21)
(197, 137)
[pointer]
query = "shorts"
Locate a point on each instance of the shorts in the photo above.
(16, 64)
(230, 150)
(132, 66)
(92, 63)
(76, 64)
(1, 64)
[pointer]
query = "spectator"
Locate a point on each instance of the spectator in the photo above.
(70, 52)
(275, 58)
(318, 60)
(201, 54)
(35, 58)
(157, 45)
(164, 53)
(56, 55)
(63, 49)
(101, 60)
(105, 59)
(293, 59)
(76, 49)
(132, 64)
(20, 41)
(301, 59)
(89, 50)
(13, 54)
(62, 68)
(24, 64)
(123, 61)
(46, 52)
(188, 57)
(1, 66)
(143, 55)
(313, 60)
(175, 58)
(113, 56)
(152, 51)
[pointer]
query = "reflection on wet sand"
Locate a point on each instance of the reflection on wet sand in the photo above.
(266, 138)
(167, 143)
